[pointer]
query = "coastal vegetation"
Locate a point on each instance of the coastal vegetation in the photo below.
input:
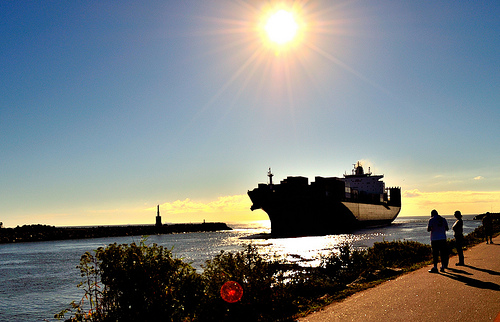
(141, 282)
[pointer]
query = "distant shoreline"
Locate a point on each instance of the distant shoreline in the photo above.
(33, 233)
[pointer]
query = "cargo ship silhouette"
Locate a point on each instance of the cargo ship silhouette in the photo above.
(329, 205)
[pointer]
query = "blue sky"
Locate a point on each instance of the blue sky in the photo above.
(110, 108)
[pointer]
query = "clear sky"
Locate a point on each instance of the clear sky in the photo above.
(108, 108)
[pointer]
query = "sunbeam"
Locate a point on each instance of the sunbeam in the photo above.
(275, 53)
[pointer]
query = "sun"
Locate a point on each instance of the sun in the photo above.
(281, 27)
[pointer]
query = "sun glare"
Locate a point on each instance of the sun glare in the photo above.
(281, 27)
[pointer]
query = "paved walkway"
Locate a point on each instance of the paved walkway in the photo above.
(462, 293)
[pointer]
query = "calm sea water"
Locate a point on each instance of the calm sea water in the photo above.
(39, 279)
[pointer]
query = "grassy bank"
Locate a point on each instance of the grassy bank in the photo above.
(147, 283)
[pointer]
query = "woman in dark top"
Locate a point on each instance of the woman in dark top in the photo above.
(458, 232)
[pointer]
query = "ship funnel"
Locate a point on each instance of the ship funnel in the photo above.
(359, 169)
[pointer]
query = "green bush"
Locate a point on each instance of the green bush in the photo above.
(346, 265)
(147, 283)
(262, 282)
(137, 283)
(399, 254)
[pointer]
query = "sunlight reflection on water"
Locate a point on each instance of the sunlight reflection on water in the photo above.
(307, 251)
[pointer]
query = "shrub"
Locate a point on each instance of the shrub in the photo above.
(346, 265)
(137, 283)
(262, 282)
(400, 254)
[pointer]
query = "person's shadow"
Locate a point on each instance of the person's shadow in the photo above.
(489, 271)
(455, 274)
(460, 271)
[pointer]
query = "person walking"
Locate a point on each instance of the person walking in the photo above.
(488, 227)
(458, 233)
(438, 226)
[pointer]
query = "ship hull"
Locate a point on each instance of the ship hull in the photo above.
(302, 217)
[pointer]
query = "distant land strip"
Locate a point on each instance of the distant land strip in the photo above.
(31, 233)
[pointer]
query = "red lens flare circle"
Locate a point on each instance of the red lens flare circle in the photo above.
(231, 292)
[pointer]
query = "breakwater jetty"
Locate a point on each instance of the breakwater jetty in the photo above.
(28, 233)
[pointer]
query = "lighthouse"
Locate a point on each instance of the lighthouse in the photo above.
(158, 217)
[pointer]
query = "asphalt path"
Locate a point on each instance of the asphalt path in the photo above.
(461, 293)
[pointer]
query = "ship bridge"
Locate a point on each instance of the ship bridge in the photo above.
(364, 182)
